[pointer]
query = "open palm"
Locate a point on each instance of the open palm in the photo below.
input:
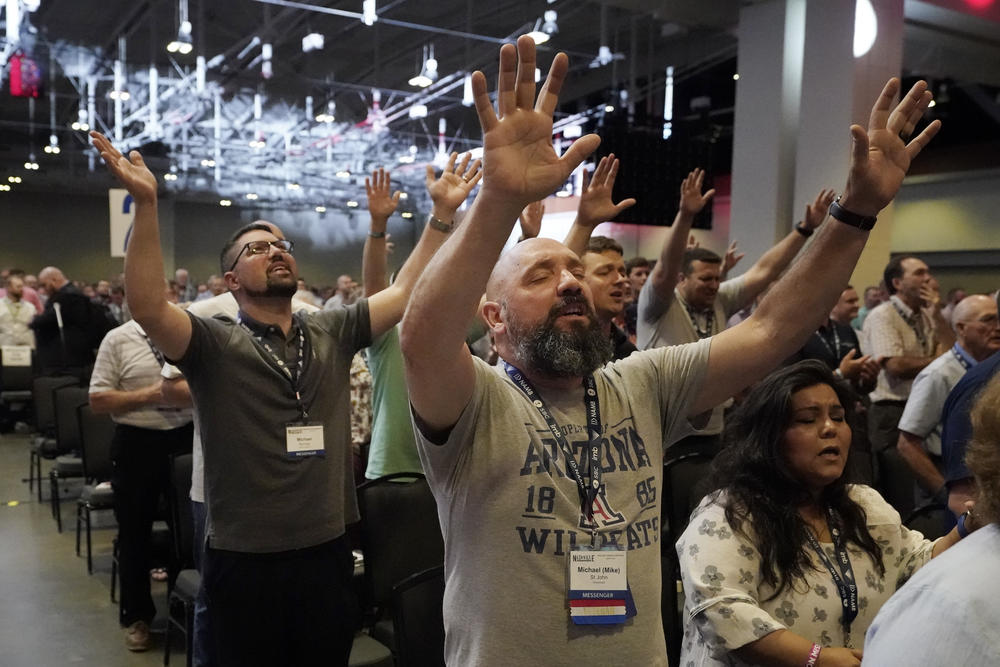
(130, 171)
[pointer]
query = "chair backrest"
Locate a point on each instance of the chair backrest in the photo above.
(96, 433)
(418, 619)
(45, 406)
(931, 520)
(67, 400)
(17, 378)
(896, 480)
(180, 510)
(684, 480)
(400, 534)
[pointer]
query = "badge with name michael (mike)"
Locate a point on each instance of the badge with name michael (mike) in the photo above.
(598, 587)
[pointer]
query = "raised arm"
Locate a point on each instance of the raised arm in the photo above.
(381, 205)
(447, 194)
(773, 262)
(789, 313)
(165, 324)
(520, 166)
(664, 276)
(596, 205)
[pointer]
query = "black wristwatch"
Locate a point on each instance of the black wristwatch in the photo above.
(862, 222)
(802, 229)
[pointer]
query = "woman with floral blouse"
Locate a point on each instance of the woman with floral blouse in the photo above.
(786, 563)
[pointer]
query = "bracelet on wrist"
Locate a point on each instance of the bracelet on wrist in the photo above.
(802, 229)
(439, 224)
(961, 527)
(862, 222)
(813, 655)
(376, 235)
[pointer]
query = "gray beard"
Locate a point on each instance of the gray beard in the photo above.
(561, 353)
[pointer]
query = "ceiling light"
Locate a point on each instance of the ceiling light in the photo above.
(330, 115)
(251, 196)
(80, 124)
(406, 214)
(418, 111)
(313, 42)
(321, 209)
(170, 177)
(406, 159)
(537, 35)
(932, 103)
(428, 73)
(403, 195)
(865, 27)
(119, 95)
(736, 77)
(549, 27)
(257, 143)
(53, 147)
(30, 165)
(14, 179)
(182, 44)
(293, 186)
(467, 99)
(608, 108)
(368, 15)
(266, 68)
(351, 203)
(343, 173)
(225, 202)
(208, 163)
(4, 188)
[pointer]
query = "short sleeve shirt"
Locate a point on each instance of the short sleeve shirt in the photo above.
(922, 414)
(510, 514)
(888, 334)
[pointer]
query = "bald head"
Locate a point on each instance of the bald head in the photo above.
(977, 328)
(521, 257)
(51, 279)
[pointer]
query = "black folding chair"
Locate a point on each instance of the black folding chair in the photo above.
(418, 619)
(400, 536)
(69, 463)
(43, 445)
(184, 587)
(96, 433)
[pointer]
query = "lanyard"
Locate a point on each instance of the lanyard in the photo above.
(587, 492)
(915, 322)
(294, 372)
(962, 359)
(843, 577)
(835, 350)
(709, 321)
(156, 352)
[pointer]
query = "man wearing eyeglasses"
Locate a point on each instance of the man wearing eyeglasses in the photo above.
(272, 392)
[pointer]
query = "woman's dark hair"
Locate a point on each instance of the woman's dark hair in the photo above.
(761, 492)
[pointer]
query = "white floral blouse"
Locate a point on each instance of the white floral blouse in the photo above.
(725, 605)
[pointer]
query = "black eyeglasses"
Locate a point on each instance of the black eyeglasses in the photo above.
(262, 248)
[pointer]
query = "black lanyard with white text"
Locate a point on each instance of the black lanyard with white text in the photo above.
(835, 350)
(843, 578)
(294, 372)
(588, 492)
(155, 350)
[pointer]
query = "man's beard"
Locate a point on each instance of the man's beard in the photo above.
(547, 349)
(275, 288)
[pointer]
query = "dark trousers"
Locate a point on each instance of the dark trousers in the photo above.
(883, 424)
(140, 477)
(201, 640)
(288, 608)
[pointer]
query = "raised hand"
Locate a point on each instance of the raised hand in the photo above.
(519, 163)
(596, 205)
(531, 219)
(816, 212)
(692, 199)
(692, 242)
(881, 155)
(732, 258)
(381, 204)
(452, 188)
(130, 171)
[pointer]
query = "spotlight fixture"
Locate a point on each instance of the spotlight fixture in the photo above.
(609, 108)
(343, 173)
(170, 177)
(330, 115)
(406, 214)
(467, 98)
(4, 188)
(544, 30)
(183, 43)
(252, 196)
(403, 195)
(208, 163)
(536, 34)
(13, 179)
(225, 202)
(428, 73)
(418, 111)
(321, 209)
(30, 165)
(257, 143)
(351, 203)
(314, 41)
(293, 186)
(119, 95)
(53, 147)
(80, 124)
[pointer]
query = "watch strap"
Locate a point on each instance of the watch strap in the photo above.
(851, 218)
(376, 235)
(440, 225)
(802, 229)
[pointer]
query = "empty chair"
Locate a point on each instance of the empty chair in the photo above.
(418, 619)
(68, 464)
(15, 387)
(44, 443)
(96, 433)
(400, 536)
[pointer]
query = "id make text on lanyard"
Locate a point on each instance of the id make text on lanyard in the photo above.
(842, 572)
(588, 482)
(292, 372)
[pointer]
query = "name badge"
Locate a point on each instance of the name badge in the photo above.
(304, 440)
(598, 587)
(16, 355)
